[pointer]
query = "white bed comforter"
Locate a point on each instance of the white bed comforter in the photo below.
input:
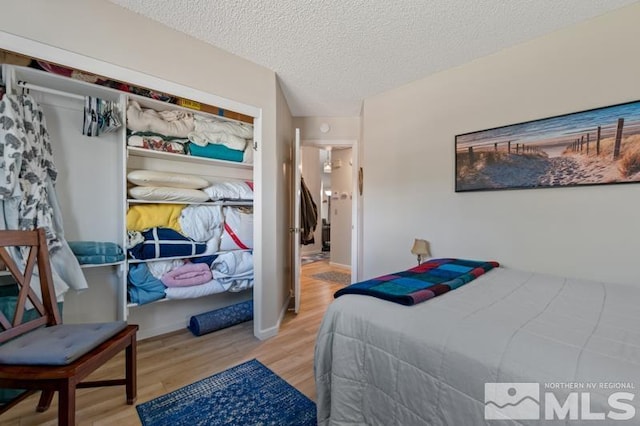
(380, 363)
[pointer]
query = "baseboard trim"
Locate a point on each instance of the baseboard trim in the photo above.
(267, 333)
(157, 331)
(339, 265)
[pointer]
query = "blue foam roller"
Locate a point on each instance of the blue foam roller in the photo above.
(221, 318)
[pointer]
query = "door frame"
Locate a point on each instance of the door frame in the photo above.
(356, 199)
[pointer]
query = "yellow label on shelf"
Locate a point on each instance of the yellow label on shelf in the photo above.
(189, 104)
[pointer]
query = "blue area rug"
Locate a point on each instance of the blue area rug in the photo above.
(247, 394)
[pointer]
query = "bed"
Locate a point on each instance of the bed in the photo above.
(382, 363)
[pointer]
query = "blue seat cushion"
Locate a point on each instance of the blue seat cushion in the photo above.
(58, 344)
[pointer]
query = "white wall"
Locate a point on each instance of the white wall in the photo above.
(341, 206)
(102, 30)
(408, 143)
(282, 266)
(340, 128)
(312, 174)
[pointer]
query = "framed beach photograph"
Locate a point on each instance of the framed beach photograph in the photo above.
(593, 147)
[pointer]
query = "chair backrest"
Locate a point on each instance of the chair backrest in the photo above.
(35, 252)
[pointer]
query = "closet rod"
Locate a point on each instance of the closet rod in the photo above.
(26, 85)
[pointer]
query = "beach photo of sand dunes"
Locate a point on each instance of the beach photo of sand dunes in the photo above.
(598, 146)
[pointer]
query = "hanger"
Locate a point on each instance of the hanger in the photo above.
(25, 91)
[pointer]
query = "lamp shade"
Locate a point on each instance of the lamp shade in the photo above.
(420, 247)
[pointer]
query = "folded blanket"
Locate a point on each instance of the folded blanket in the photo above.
(241, 130)
(142, 286)
(155, 143)
(164, 242)
(424, 282)
(234, 270)
(218, 138)
(187, 275)
(99, 259)
(145, 216)
(233, 264)
(218, 152)
(160, 267)
(238, 228)
(87, 248)
(202, 223)
(212, 287)
(240, 285)
(171, 123)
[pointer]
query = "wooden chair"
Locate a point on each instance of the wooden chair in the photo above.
(43, 354)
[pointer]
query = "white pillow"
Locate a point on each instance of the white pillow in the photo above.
(154, 193)
(230, 191)
(166, 179)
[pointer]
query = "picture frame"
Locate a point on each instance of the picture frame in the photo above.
(591, 147)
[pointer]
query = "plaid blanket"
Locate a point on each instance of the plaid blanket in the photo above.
(424, 282)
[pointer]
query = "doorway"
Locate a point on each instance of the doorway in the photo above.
(329, 170)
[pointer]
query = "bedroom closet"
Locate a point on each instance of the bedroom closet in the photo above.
(179, 207)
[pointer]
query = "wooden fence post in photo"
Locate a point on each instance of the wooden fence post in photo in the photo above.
(509, 147)
(471, 159)
(616, 147)
(587, 143)
(581, 142)
(598, 141)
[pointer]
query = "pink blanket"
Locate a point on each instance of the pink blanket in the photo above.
(187, 275)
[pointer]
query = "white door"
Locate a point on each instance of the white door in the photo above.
(295, 229)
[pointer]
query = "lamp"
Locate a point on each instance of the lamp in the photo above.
(420, 249)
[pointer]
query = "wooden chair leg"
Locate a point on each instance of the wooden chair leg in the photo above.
(45, 401)
(131, 372)
(67, 404)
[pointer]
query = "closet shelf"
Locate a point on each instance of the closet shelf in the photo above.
(218, 253)
(135, 305)
(143, 152)
(83, 266)
(165, 299)
(209, 203)
(99, 265)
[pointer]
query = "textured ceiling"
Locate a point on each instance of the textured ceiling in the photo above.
(331, 54)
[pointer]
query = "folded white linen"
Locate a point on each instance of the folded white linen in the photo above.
(202, 223)
(233, 264)
(169, 123)
(212, 287)
(242, 130)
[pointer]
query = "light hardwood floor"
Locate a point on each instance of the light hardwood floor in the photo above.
(171, 361)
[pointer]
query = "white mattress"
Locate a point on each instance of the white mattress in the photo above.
(381, 363)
